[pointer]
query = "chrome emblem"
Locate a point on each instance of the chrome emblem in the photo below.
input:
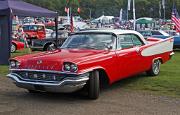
(39, 62)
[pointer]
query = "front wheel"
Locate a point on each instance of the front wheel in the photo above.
(93, 85)
(155, 68)
(13, 48)
(50, 47)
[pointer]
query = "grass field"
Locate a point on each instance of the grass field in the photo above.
(167, 83)
(4, 69)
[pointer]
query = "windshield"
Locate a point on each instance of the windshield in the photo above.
(33, 28)
(97, 41)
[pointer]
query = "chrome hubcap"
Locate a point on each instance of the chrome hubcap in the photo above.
(13, 48)
(156, 66)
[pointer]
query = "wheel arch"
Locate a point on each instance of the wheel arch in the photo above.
(158, 58)
(46, 44)
(103, 75)
(15, 45)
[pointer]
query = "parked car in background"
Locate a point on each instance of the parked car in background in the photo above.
(50, 25)
(161, 34)
(152, 33)
(50, 42)
(172, 32)
(90, 59)
(34, 31)
(16, 45)
(46, 44)
(49, 33)
(28, 20)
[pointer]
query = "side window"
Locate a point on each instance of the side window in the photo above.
(136, 40)
(156, 33)
(124, 41)
(146, 33)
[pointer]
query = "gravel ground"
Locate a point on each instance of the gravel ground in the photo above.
(113, 101)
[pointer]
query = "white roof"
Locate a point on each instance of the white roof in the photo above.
(115, 31)
(118, 32)
(105, 17)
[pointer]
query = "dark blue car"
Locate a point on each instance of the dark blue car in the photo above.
(161, 34)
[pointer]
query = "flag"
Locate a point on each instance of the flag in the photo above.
(71, 24)
(120, 14)
(129, 4)
(68, 15)
(175, 18)
(78, 10)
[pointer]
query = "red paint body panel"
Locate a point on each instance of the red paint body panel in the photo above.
(20, 45)
(38, 33)
(118, 64)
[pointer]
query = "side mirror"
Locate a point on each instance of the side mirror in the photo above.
(109, 47)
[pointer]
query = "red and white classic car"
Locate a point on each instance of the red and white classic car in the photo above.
(89, 58)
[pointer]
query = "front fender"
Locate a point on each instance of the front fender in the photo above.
(90, 69)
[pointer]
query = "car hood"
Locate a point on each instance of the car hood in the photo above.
(53, 60)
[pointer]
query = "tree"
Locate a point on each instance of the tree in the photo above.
(144, 8)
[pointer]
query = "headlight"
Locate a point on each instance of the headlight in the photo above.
(70, 67)
(14, 64)
(67, 67)
(73, 67)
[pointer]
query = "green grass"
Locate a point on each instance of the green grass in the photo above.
(167, 83)
(4, 69)
(20, 52)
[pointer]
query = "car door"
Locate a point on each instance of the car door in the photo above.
(128, 55)
(41, 32)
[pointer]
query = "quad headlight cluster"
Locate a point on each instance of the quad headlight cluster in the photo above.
(14, 64)
(70, 67)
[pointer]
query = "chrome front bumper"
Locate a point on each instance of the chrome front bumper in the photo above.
(67, 85)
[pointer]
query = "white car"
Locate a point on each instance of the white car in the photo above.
(49, 33)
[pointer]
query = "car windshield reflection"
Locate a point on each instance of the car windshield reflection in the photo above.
(96, 41)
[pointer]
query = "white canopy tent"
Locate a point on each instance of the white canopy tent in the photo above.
(104, 19)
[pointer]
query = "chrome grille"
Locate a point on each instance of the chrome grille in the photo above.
(40, 76)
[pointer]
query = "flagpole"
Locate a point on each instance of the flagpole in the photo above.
(164, 13)
(127, 13)
(160, 9)
(164, 7)
(128, 8)
(134, 15)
